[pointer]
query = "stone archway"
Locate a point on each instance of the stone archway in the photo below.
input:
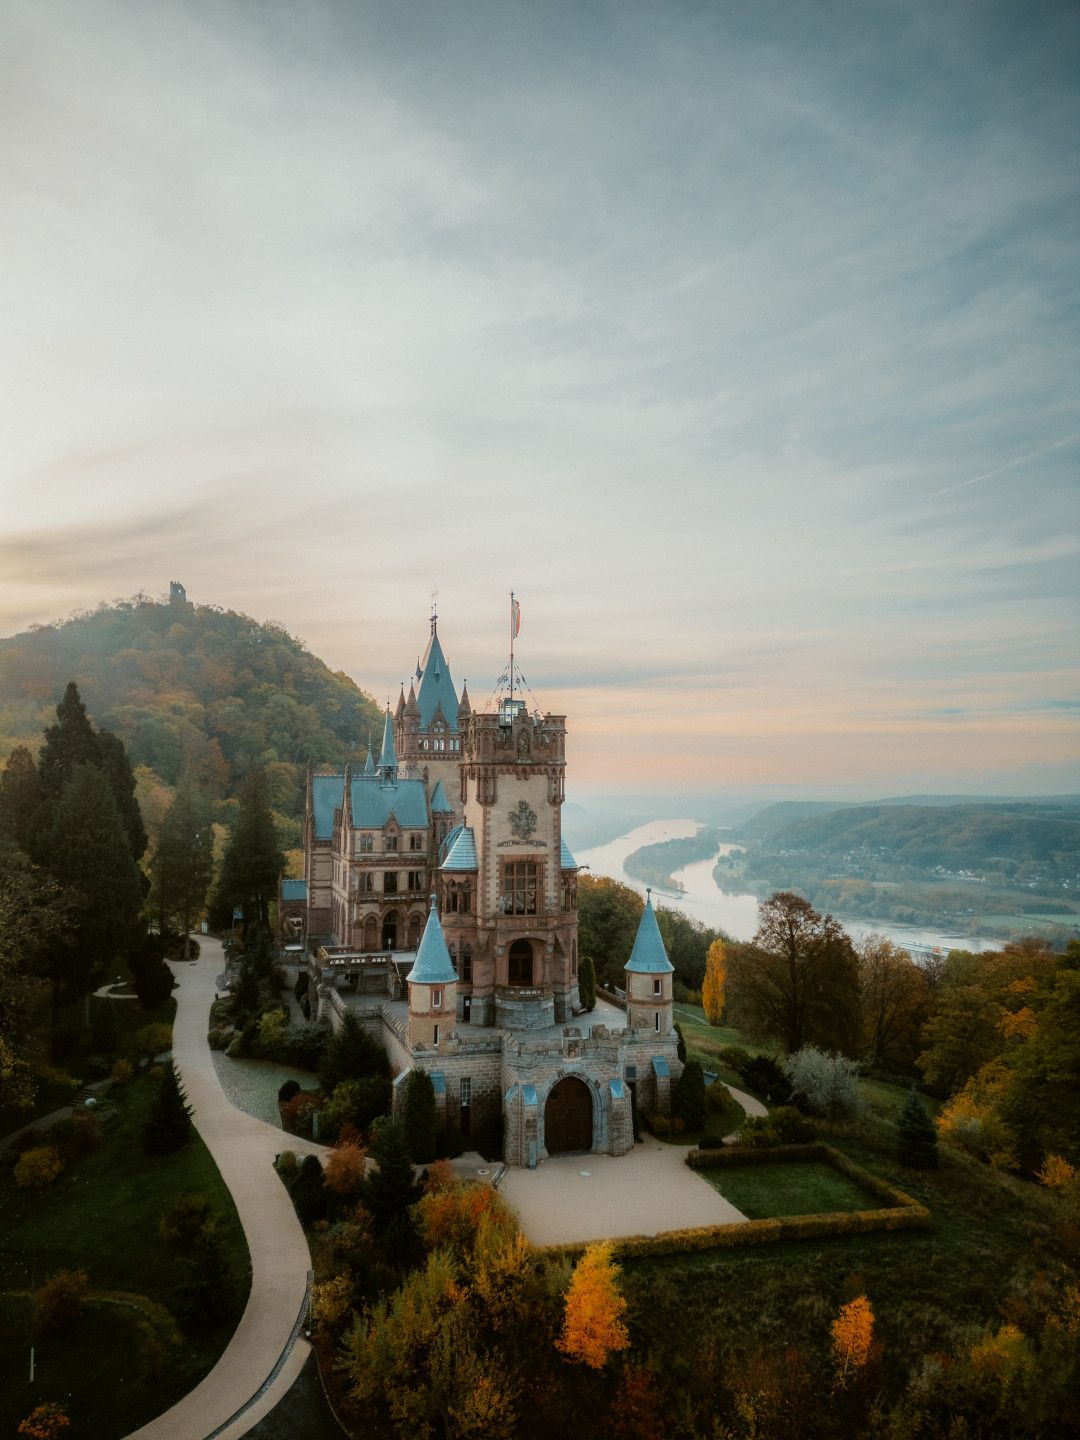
(519, 963)
(390, 930)
(371, 933)
(568, 1116)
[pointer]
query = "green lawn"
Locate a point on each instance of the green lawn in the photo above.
(704, 1041)
(763, 1192)
(102, 1215)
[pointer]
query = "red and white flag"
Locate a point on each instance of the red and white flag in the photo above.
(515, 618)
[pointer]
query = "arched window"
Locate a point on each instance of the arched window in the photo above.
(520, 963)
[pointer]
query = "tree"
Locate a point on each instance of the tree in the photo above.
(587, 984)
(916, 1135)
(168, 1126)
(184, 861)
(690, 1096)
(117, 768)
(90, 857)
(680, 1043)
(418, 1119)
(712, 989)
(797, 980)
(852, 1333)
(253, 862)
(391, 1187)
(608, 917)
(894, 1001)
(34, 922)
(350, 1054)
(69, 743)
(1042, 1101)
(592, 1324)
(824, 1083)
(20, 797)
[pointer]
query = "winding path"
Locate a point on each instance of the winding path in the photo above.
(266, 1353)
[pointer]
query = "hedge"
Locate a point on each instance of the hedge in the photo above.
(902, 1212)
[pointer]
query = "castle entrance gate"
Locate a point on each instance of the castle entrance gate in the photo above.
(519, 965)
(568, 1117)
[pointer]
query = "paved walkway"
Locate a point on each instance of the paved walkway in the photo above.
(243, 1149)
(598, 1197)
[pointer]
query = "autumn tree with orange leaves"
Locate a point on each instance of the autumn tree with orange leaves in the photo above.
(593, 1326)
(712, 988)
(852, 1333)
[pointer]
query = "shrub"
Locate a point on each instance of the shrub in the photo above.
(296, 1114)
(449, 1143)
(658, 1124)
(78, 1136)
(690, 1096)
(38, 1168)
(735, 1058)
(350, 1054)
(345, 1169)
(219, 1037)
(58, 1302)
(824, 1083)
(152, 1040)
(154, 984)
(355, 1103)
(916, 1135)
(122, 1072)
(587, 984)
(184, 1222)
(168, 1125)
(45, 1422)
(270, 1042)
(304, 1046)
(418, 1119)
(287, 1166)
(288, 1091)
(765, 1079)
(308, 1192)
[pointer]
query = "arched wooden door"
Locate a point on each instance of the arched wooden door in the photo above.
(568, 1117)
(519, 965)
(390, 931)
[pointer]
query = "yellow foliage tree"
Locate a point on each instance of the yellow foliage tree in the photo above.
(593, 1326)
(1056, 1173)
(852, 1332)
(712, 989)
(1007, 1355)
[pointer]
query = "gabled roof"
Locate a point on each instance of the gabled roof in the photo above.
(462, 854)
(294, 890)
(432, 965)
(649, 955)
(436, 687)
(372, 802)
(566, 860)
(440, 805)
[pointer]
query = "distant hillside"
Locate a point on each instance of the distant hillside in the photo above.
(778, 817)
(189, 685)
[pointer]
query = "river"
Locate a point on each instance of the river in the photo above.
(734, 913)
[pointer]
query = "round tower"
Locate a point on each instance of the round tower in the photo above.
(432, 983)
(649, 975)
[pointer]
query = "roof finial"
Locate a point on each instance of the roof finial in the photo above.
(648, 894)
(434, 609)
(432, 902)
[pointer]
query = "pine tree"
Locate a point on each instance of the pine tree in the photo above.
(168, 1125)
(391, 1187)
(690, 1096)
(20, 797)
(117, 767)
(418, 1119)
(69, 743)
(350, 1054)
(184, 860)
(587, 983)
(89, 854)
(916, 1135)
(253, 861)
(680, 1043)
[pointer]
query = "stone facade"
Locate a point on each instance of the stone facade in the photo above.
(463, 812)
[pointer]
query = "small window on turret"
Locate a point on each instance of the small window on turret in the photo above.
(658, 1022)
(658, 986)
(436, 999)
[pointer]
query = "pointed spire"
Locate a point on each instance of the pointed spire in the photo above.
(400, 711)
(433, 965)
(369, 763)
(411, 708)
(419, 673)
(464, 708)
(649, 955)
(388, 758)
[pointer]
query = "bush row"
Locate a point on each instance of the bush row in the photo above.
(733, 1155)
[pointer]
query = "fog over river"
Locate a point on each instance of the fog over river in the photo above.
(737, 913)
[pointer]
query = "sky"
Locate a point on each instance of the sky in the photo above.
(740, 340)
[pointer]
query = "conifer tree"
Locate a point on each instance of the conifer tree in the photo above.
(20, 797)
(117, 767)
(390, 1187)
(680, 1043)
(690, 1096)
(587, 983)
(350, 1054)
(69, 743)
(168, 1125)
(184, 860)
(418, 1119)
(916, 1135)
(253, 861)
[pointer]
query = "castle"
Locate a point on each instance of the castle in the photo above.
(439, 905)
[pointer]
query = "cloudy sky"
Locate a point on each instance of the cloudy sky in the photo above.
(740, 339)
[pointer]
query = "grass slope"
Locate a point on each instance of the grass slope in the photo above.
(102, 1215)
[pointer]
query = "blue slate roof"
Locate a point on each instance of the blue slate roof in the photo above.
(566, 860)
(616, 1087)
(440, 805)
(369, 763)
(373, 802)
(528, 1094)
(432, 965)
(462, 854)
(436, 687)
(294, 889)
(660, 1066)
(648, 955)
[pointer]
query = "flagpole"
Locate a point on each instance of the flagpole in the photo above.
(511, 652)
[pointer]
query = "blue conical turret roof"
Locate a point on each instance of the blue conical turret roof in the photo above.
(436, 690)
(649, 955)
(369, 763)
(440, 805)
(433, 965)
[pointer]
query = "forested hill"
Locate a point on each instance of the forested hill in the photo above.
(1009, 836)
(189, 685)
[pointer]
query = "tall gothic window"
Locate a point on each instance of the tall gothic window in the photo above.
(521, 885)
